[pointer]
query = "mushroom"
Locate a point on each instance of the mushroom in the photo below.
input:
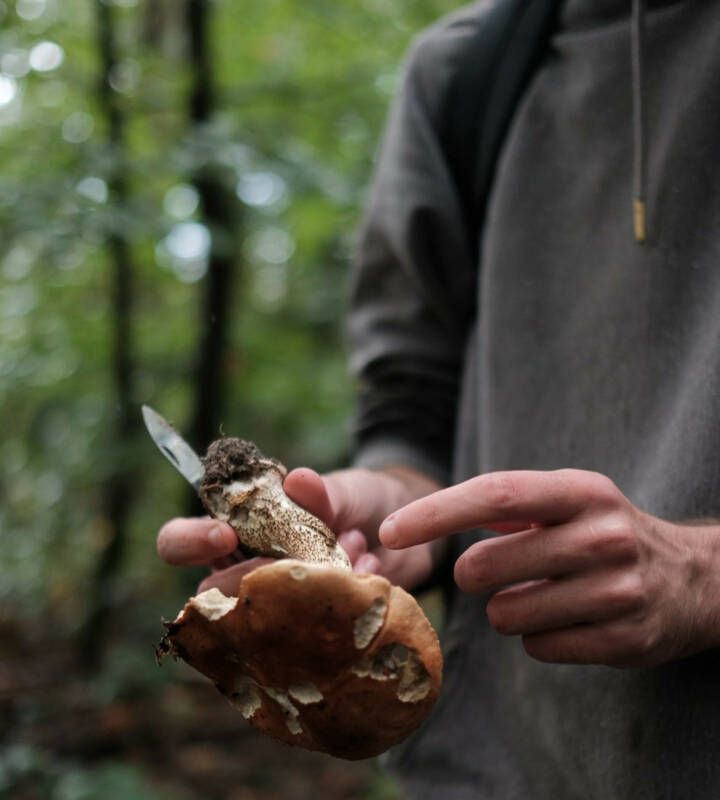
(243, 488)
(309, 652)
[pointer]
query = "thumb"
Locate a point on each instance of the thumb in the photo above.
(333, 497)
(308, 490)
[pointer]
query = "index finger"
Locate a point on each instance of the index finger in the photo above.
(496, 499)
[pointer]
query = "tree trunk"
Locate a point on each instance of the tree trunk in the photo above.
(221, 213)
(118, 490)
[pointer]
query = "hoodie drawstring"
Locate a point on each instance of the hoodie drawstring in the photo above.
(638, 98)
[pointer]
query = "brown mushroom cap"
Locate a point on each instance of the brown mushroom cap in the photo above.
(316, 656)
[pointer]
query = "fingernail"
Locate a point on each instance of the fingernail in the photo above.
(388, 532)
(215, 536)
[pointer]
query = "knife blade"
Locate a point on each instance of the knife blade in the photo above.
(177, 451)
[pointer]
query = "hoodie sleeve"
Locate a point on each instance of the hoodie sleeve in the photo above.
(414, 282)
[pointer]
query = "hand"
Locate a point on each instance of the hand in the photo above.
(353, 502)
(581, 574)
(193, 541)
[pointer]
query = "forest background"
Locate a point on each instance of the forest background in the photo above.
(181, 182)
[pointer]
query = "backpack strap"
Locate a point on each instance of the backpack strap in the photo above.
(481, 100)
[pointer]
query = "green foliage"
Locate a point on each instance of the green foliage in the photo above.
(302, 90)
(30, 772)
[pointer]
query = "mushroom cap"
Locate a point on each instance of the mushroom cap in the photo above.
(316, 656)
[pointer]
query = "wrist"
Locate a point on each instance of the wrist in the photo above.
(411, 484)
(692, 597)
(709, 565)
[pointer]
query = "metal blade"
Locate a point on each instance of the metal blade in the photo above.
(177, 451)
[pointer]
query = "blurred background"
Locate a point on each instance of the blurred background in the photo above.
(180, 186)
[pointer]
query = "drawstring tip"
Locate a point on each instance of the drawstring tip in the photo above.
(639, 217)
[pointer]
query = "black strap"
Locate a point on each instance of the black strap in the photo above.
(483, 98)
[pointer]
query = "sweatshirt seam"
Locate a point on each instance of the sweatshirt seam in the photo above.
(601, 28)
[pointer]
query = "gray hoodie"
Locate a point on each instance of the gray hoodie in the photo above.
(551, 338)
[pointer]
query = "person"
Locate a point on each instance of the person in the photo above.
(540, 410)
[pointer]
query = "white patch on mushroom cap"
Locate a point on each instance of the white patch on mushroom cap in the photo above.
(397, 662)
(291, 712)
(213, 604)
(245, 696)
(298, 572)
(369, 623)
(305, 692)
(414, 679)
(375, 668)
(294, 726)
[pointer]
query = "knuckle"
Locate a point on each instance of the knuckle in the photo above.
(621, 542)
(595, 485)
(633, 644)
(613, 537)
(571, 477)
(501, 490)
(645, 637)
(431, 511)
(651, 640)
(628, 592)
(603, 487)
